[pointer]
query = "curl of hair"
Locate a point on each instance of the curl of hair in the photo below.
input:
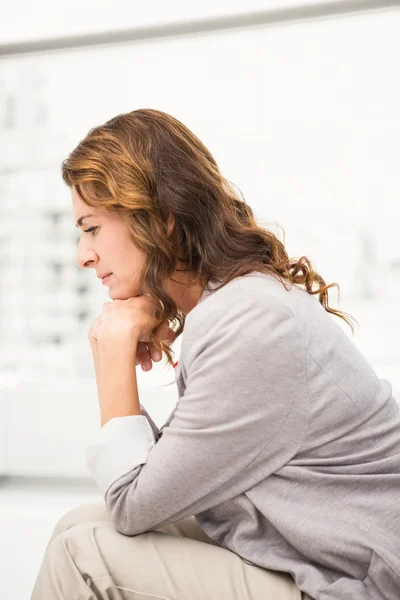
(152, 170)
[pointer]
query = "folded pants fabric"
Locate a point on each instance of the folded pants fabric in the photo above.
(87, 559)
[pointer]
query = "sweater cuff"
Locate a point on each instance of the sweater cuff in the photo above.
(122, 444)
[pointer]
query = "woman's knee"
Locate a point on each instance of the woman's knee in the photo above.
(69, 561)
(85, 513)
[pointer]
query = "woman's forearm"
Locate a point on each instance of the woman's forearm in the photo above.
(96, 362)
(116, 384)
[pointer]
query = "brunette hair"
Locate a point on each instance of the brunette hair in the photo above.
(150, 168)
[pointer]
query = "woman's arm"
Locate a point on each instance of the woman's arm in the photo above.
(97, 369)
(243, 415)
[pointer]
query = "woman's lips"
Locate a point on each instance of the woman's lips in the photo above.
(105, 279)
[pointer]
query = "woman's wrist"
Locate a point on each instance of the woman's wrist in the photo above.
(117, 351)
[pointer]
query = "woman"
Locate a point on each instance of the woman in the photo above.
(277, 476)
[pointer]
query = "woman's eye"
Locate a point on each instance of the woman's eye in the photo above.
(90, 230)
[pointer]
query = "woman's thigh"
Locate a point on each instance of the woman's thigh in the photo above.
(87, 558)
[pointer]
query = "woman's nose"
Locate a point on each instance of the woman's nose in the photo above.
(86, 258)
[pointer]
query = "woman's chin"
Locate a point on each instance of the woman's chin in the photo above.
(122, 294)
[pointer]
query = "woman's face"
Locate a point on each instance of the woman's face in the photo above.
(107, 247)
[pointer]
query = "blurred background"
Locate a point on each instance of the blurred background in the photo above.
(299, 104)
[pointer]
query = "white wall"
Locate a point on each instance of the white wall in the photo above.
(47, 426)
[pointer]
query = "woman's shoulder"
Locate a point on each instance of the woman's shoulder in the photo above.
(241, 292)
(247, 319)
(249, 300)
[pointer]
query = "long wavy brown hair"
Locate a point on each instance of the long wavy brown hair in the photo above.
(147, 166)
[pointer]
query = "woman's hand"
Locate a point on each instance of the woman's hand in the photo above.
(130, 322)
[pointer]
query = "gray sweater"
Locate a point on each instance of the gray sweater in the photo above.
(284, 444)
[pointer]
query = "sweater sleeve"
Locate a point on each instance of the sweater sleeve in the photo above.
(243, 415)
(153, 426)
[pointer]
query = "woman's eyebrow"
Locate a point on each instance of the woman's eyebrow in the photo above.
(79, 221)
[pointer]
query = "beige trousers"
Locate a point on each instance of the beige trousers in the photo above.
(87, 559)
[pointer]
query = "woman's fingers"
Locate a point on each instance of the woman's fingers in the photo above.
(142, 354)
(167, 335)
(147, 352)
(154, 353)
(93, 330)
